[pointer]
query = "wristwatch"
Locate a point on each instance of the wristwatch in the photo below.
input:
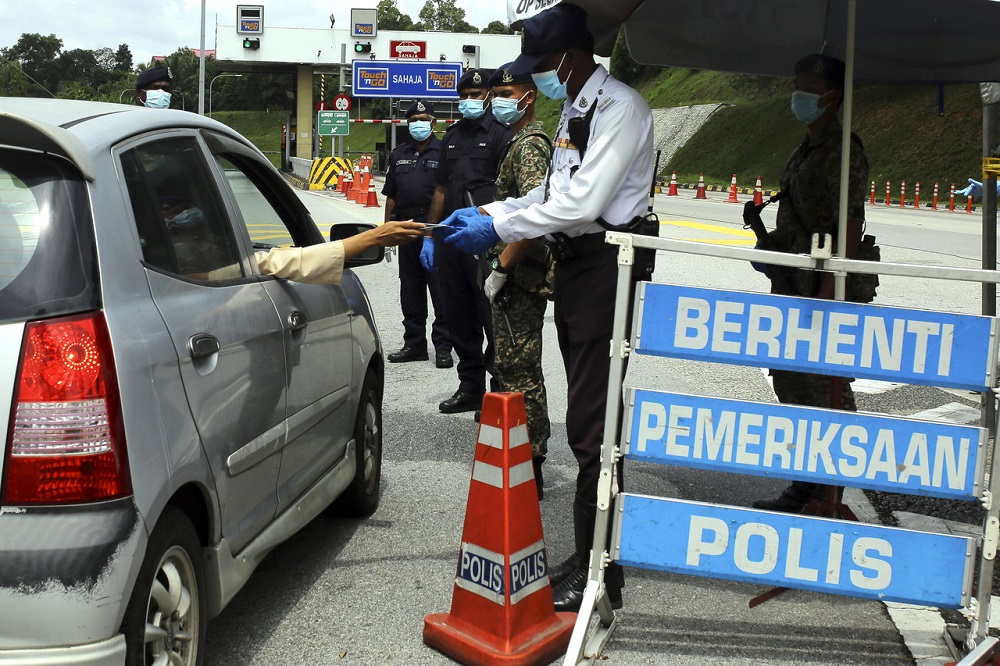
(498, 267)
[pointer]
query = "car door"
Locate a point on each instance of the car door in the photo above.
(318, 344)
(223, 326)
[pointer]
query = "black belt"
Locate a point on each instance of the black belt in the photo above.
(564, 248)
(411, 213)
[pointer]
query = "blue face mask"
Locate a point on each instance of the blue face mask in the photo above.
(420, 129)
(157, 99)
(805, 106)
(505, 109)
(471, 108)
(549, 83)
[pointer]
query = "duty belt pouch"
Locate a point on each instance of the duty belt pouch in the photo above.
(643, 259)
(861, 287)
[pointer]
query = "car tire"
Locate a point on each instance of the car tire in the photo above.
(362, 496)
(165, 618)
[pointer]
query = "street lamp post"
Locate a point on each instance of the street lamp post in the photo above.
(178, 92)
(210, 89)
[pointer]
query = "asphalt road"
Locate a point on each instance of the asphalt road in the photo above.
(356, 592)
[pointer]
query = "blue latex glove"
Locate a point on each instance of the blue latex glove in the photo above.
(475, 233)
(452, 219)
(427, 254)
(975, 190)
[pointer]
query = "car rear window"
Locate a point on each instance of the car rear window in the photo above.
(48, 265)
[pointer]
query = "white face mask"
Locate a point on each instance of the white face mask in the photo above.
(157, 99)
(805, 106)
(549, 84)
(505, 109)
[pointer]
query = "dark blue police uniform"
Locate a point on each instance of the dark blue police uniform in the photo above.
(410, 182)
(470, 157)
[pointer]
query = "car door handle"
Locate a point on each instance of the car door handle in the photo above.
(201, 345)
(296, 320)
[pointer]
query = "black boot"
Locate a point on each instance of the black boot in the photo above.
(793, 499)
(583, 534)
(536, 463)
(567, 594)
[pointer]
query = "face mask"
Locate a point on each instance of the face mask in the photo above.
(805, 106)
(505, 109)
(549, 83)
(157, 99)
(471, 108)
(420, 129)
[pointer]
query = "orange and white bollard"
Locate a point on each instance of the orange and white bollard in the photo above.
(902, 195)
(916, 196)
(951, 199)
(888, 195)
(934, 200)
(732, 192)
(758, 194)
(968, 205)
(873, 192)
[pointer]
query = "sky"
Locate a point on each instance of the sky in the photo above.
(162, 26)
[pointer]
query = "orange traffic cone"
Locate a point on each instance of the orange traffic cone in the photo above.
(934, 199)
(347, 186)
(732, 192)
(700, 192)
(501, 605)
(672, 191)
(361, 196)
(916, 196)
(372, 198)
(758, 194)
(951, 199)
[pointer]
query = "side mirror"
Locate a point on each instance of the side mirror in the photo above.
(372, 255)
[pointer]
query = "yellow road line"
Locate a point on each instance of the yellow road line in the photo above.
(717, 228)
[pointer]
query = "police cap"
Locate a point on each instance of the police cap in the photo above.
(560, 27)
(474, 78)
(503, 77)
(824, 66)
(420, 106)
(151, 75)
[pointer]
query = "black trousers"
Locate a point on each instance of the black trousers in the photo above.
(469, 316)
(584, 316)
(414, 283)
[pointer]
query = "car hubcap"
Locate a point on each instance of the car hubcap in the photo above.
(172, 613)
(371, 444)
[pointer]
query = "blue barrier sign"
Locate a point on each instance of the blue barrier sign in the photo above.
(886, 453)
(819, 336)
(395, 78)
(807, 553)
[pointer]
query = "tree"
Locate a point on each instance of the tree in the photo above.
(38, 56)
(390, 18)
(444, 15)
(497, 28)
(123, 58)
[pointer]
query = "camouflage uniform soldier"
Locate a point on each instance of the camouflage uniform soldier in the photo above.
(520, 279)
(811, 181)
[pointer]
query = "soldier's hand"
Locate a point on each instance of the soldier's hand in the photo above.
(494, 285)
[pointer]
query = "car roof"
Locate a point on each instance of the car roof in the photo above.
(79, 130)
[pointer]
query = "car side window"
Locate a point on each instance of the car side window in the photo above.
(182, 224)
(264, 223)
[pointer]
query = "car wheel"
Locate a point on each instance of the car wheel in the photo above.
(361, 497)
(165, 619)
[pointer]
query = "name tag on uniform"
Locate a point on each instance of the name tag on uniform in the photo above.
(432, 164)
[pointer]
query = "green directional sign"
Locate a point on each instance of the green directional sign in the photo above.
(333, 123)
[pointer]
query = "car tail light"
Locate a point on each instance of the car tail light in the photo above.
(66, 442)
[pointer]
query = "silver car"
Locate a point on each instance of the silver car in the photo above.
(170, 414)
